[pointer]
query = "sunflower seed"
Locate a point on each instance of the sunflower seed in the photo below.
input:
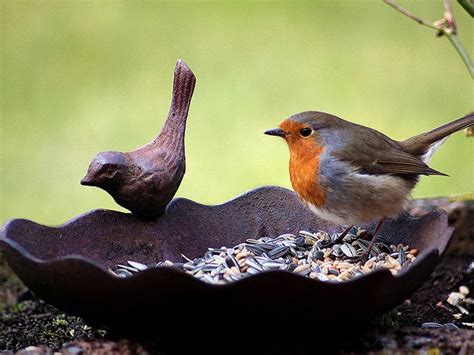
(431, 325)
(253, 241)
(126, 267)
(300, 242)
(271, 265)
(136, 265)
(255, 249)
(278, 252)
(123, 272)
(348, 250)
(251, 262)
(230, 261)
(402, 256)
(450, 326)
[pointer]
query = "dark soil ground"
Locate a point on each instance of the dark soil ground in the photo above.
(29, 325)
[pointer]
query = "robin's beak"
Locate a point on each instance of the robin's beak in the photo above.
(276, 132)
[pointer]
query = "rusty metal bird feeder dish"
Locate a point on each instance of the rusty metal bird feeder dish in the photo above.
(68, 266)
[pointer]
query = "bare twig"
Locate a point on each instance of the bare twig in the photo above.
(409, 14)
(454, 39)
(446, 26)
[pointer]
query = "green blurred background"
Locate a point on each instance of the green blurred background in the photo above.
(81, 77)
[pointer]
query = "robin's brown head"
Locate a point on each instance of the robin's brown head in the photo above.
(307, 135)
(106, 170)
(303, 131)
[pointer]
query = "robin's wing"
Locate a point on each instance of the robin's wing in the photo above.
(400, 162)
(378, 154)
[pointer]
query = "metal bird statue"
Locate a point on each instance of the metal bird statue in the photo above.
(145, 180)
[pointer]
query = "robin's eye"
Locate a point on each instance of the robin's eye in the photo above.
(305, 132)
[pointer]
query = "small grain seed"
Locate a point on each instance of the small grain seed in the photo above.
(414, 252)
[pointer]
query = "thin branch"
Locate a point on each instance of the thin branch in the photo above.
(446, 26)
(410, 14)
(454, 39)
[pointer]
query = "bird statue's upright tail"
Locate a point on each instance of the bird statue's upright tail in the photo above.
(426, 144)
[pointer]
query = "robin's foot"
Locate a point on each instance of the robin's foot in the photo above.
(361, 258)
(364, 257)
(338, 239)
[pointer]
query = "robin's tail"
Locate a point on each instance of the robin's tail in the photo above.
(426, 144)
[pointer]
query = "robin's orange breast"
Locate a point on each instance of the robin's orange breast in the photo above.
(304, 171)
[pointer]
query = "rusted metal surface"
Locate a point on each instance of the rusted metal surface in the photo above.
(67, 265)
(145, 180)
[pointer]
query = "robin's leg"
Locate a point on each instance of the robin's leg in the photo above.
(364, 257)
(339, 238)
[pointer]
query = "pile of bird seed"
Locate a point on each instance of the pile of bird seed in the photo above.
(314, 255)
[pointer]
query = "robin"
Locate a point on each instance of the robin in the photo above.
(351, 174)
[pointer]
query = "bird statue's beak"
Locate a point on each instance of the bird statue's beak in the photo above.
(276, 132)
(90, 178)
(87, 181)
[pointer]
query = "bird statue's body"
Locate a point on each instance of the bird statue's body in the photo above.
(350, 174)
(145, 180)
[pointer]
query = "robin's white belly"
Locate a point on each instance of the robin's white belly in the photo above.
(328, 216)
(363, 198)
